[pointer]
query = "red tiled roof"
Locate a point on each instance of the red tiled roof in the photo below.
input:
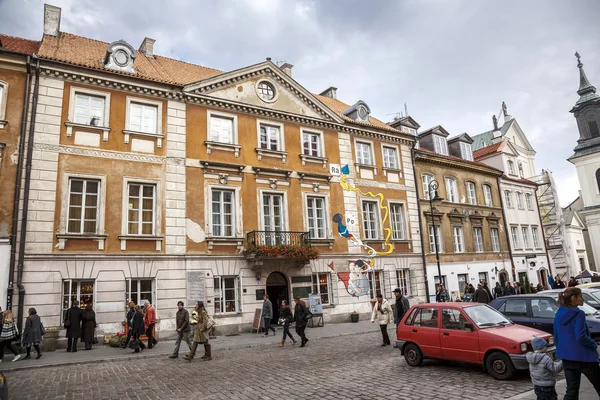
(18, 45)
(84, 52)
(449, 157)
(493, 148)
(521, 180)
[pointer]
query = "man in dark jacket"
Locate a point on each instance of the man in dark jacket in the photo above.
(498, 291)
(73, 326)
(487, 289)
(138, 328)
(129, 317)
(267, 313)
(301, 317)
(402, 306)
(182, 319)
(481, 295)
(508, 289)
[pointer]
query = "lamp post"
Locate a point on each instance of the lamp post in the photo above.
(433, 196)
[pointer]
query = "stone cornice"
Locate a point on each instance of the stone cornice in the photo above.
(114, 155)
(456, 163)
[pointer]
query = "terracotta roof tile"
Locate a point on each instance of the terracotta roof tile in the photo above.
(88, 53)
(487, 150)
(339, 107)
(18, 45)
(478, 163)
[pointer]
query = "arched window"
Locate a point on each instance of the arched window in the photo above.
(598, 178)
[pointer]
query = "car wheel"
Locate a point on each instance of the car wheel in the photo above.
(500, 366)
(413, 355)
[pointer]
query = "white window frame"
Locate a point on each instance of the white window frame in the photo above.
(375, 276)
(529, 201)
(514, 235)
(238, 291)
(478, 239)
(321, 142)
(403, 223)
(260, 203)
(487, 195)
(70, 303)
(495, 239)
(83, 206)
(396, 158)
(3, 103)
(440, 242)
(280, 139)
(466, 151)
(157, 225)
(371, 151)
(237, 215)
(273, 86)
(525, 232)
(137, 291)
(458, 239)
(378, 228)
(425, 181)
(326, 214)
(219, 114)
(440, 144)
(316, 284)
(89, 92)
(159, 119)
(519, 198)
(449, 198)
(471, 194)
(403, 281)
(508, 198)
(536, 237)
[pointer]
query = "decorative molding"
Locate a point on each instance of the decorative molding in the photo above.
(271, 153)
(210, 146)
(272, 173)
(114, 155)
(223, 179)
(105, 129)
(159, 137)
(314, 159)
(63, 237)
(385, 185)
(273, 183)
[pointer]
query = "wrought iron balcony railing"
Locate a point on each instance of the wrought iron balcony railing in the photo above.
(274, 238)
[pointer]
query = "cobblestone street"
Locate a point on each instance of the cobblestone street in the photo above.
(350, 367)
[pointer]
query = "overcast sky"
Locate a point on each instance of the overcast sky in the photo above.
(453, 62)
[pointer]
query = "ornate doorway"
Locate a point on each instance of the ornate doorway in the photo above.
(503, 277)
(278, 290)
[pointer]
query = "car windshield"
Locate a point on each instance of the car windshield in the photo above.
(486, 317)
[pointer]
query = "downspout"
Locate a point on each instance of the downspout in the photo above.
(543, 235)
(507, 230)
(414, 161)
(28, 163)
(17, 196)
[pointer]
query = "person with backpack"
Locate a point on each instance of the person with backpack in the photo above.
(8, 335)
(32, 334)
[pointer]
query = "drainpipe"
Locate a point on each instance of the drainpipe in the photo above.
(17, 196)
(507, 230)
(420, 227)
(537, 202)
(28, 163)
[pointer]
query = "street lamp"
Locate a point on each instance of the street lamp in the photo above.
(433, 196)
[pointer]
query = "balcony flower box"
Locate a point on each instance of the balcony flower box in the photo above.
(299, 254)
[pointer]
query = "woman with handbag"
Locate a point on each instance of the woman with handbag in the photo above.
(137, 329)
(8, 335)
(285, 318)
(203, 325)
(32, 334)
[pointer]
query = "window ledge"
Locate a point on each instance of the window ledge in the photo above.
(314, 159)
(401, 240)
(125, 238)
(227, 315)
(159, 136)
(228, 241)
(359, 165)
(387, 171)
(322, 242)
(271, 153)
(3, 122)
(210, 146)
(397, 170)
(63, 237)
(71, 125)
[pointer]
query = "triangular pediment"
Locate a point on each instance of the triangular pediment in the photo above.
(509, 148)
(518, 137)
(253, 86)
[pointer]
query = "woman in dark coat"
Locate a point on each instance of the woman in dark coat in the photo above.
(138, 328)
(87, 327)
(73, 326)
(32, 334)
(285, 316)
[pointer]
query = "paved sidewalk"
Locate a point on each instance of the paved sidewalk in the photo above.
(586, 391)
(165, 348)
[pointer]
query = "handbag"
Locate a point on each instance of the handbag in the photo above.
(67, 323)
(134, 344)
(42, 329)
(282, 321)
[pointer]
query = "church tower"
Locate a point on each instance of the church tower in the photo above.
(587, 155)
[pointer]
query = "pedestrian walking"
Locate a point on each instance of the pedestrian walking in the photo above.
(88, 325)
(32, 334)
(73, 326)
(382, 313)
(402, 306)
(543, 370)
(517, 288)
(469, 292)
(574, 345)
(487, 289)
(508, 289)
(137, 329)
(204, 323)
(8, 335)
(182, 319)
(285, 319)
(149, 322)
(498, 291)
(130, 314)
(267, 311)
(481, 296)
(301, 317)
(572, 282)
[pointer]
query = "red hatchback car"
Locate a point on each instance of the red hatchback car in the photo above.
(466, 332)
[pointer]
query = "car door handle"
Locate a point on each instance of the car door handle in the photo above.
(414, 330)
(446, 334)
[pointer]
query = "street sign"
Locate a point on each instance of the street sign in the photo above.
(335, 169)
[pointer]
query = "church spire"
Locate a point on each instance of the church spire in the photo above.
(586, 90)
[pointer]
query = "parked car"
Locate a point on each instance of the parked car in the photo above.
(590, 285)
(538, 311)
(466, 332)
(590, 295)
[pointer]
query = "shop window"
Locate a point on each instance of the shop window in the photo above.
(227, 291)
(322, 287)
(80, 290)
(140, 291)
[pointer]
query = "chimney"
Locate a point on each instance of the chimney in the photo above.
(287, 69)
(147, 47)
(330, 92)
(51, 20)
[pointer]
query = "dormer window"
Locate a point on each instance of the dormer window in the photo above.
(466, 152)
(406, 129)
(119, 56)
(439, 145)
(266, 91)
(511, 167)
(358, 112)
